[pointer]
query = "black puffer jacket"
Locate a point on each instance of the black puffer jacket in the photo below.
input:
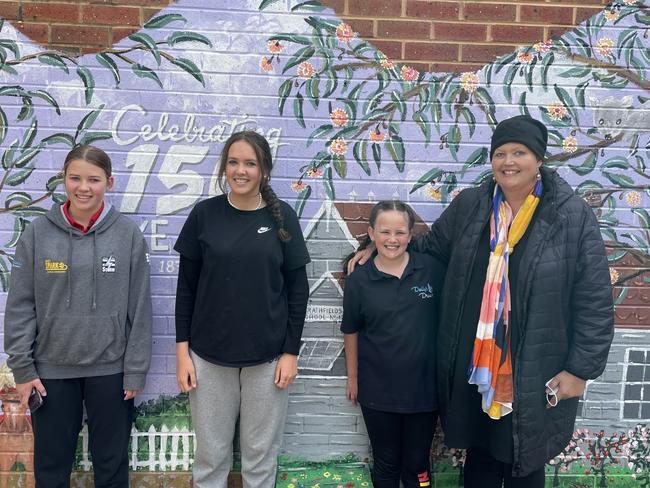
(563, 294)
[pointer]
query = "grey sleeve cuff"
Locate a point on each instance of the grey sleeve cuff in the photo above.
(134, 381)
(24, 374)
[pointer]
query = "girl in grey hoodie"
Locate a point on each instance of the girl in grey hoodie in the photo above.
(78, 324)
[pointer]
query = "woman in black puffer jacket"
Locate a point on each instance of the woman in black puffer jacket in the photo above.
(527, 329)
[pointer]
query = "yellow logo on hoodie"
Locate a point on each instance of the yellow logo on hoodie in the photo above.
(55, 266)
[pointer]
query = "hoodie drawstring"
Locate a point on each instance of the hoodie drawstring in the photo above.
(69, 273)
(94, 271)
(69, 299)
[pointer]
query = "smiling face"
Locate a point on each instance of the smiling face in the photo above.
(85, 185)
(391, 234)
(515, 168)
(243, 171)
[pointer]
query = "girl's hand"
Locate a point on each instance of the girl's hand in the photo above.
(351, 390)
(565, 385)
(185, 372)
(25, 389)
(129, 394)
(286, 370)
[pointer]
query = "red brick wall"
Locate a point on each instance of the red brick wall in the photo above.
(442, 35)
(79, 26)
(459, 36)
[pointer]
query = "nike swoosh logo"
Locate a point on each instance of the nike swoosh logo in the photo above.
(262, 230)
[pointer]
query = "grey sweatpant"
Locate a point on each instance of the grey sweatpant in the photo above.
(223, 394)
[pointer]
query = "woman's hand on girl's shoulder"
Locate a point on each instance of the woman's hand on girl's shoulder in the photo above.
(286, 370)
(361, 257)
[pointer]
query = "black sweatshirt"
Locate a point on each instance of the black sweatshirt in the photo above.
(242, 293)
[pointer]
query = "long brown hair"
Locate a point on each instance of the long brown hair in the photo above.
(263, 154)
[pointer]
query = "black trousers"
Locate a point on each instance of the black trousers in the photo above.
(401, 446)
(483, 471)
(58, 422)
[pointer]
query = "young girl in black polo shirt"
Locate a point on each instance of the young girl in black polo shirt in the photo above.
(390, 312)
(240, 309)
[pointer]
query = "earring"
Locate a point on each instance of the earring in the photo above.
(538, 176)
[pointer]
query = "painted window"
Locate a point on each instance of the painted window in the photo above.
(636, 387)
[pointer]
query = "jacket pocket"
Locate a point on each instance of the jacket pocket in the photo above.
(80, 341)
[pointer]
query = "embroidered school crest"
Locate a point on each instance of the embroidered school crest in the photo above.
(108, 264)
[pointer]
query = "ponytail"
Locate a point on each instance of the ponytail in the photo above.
(364, 244)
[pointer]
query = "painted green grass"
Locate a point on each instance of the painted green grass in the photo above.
(296, 473)
(324, 475)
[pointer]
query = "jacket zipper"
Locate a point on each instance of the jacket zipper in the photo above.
(523, 311)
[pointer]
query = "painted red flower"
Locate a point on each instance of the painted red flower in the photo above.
(339, 117)
(525, 57)
(409, 74)
(298, 186)
(376, 136)
(339, 147)
(306, 70)
(557, 111)
(274, 47)
(266, 64)
(344, 32)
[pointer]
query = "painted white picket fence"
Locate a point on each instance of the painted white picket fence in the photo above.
(166, 449)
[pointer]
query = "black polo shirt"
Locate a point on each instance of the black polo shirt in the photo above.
(397, 322)
(239, 313)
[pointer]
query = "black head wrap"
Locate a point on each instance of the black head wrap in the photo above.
(523, 129)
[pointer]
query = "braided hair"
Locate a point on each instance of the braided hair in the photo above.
(383, 206)
(263, 153)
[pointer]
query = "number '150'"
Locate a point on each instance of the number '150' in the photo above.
(142, 160)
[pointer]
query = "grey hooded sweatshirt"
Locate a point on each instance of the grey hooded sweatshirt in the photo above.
(80, 304)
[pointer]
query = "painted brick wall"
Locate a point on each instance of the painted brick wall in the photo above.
(243, 79)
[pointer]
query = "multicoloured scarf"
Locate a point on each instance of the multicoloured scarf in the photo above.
(491, 366)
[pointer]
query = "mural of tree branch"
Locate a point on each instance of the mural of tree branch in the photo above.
(20, 158)
(371, 104)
